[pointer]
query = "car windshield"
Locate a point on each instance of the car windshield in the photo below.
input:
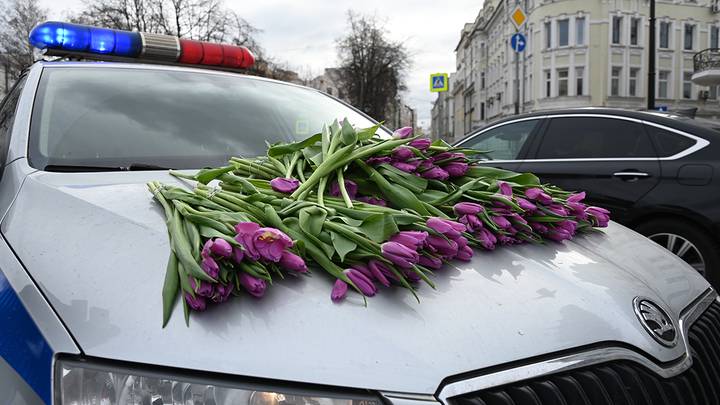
(120, 117)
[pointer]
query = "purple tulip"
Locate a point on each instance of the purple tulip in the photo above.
(339, 291)
(537, 194)
(350, 186)
(449, 228)
(373, 200)
(568, 226)
(412, 239)
(578, 209)
(245, 232)
(362, 282)
(502, 222)
(364, 270)
(402, 153)
(472, 222)
(526, 205)
(456, 169)
(465, 208)
(487, 239)
(405, 166)
(284, 185)
(204, 289)
(442, 156)
(577, 197)
(271, 243)
(421, 143)
(196, 303)
(431, 262)
(291, 261)
(505, 188)
(539, 228)
(378, 269)
(374, 161)
(238, 255)
(558, 210)
(507, 240)
(253, 285)
(402, 133)
(220, 247)
(399, 254)
(465, 253)
(435, 173)
(376, 273)
(222, 293)
(411, 275)
(442, 246)
(210, 266)
(601, 216)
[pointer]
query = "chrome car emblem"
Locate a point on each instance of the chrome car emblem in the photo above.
(656, 321)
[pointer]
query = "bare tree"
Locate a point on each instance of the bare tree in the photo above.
(372, 66)
(205, 20)
(17, 19)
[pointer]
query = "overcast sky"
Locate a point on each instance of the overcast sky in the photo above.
(302, 33)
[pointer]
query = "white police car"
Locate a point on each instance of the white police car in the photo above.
(607, 318)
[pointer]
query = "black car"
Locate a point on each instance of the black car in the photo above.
(657, 173)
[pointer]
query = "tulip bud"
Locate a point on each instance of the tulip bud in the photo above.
(293, 262)
(339, 291)
(284, 185)
(402, 133)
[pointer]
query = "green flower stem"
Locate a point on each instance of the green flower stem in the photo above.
(343, 190)
(255, 168)
(324, 169)
(291, 166)
(321, 191)
(301, 170)
(396, 193)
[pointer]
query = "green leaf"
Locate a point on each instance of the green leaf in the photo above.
(397, 194)
(342, 245)
(367, 133)
(205, 176)
(432, 195)
(311, 220)
(194, 238)
(211, 233)
(280, 149)
(313, 154)
(170, 288)
(414, 183)
(379, 227)
(348, 134)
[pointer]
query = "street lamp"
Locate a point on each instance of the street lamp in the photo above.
(651, 61)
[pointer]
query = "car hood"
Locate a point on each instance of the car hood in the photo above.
(97, 246)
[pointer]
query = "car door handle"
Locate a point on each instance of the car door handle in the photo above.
(630, 175)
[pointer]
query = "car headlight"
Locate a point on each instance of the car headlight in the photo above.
(83, 383)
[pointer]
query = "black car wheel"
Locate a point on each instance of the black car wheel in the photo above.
(686, 241)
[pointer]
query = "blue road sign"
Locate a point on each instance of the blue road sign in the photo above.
(662, 108)
(518, 42)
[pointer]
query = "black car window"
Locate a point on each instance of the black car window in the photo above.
(669, 143)
(594, 137)
(503, 142)
(7, 117)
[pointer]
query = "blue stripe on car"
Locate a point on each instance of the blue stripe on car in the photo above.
(21, 343)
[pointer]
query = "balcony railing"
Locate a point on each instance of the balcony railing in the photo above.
(706, 59)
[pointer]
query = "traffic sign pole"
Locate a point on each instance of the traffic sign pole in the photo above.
(518, 18)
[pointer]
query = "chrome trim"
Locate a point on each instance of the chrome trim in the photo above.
(700, 143)
(585, 359)
(637, 302)
(631, 174)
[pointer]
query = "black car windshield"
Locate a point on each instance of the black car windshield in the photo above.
(119, 117)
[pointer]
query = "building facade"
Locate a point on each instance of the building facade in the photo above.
(443, 113)
(582, 53)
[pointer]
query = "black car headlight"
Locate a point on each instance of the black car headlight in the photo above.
(88, 383)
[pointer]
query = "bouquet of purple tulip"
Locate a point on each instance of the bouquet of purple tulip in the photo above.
(371, 212)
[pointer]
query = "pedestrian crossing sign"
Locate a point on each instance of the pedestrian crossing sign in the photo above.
(438, 82)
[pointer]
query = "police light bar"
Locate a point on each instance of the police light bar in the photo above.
(65, 39)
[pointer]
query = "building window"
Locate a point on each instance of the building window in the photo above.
(548, 35)
(482, 80)
(562, 78)
(689, 34)
(563, 32)
(579, 76)
(329, 91)
(548, 83)
(580, 31)
(664, 35)
(615, 81)
(714, 31)
(616, 29)
(713, 92)
(663, 82)
(633, 82)
(482, 111)
(687, 84)
(634, 31)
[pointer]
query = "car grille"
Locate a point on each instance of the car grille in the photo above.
(623, 382)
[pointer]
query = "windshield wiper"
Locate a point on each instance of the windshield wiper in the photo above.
(83, 168)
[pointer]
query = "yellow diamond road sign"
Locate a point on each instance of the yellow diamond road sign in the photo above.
(518, 17)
